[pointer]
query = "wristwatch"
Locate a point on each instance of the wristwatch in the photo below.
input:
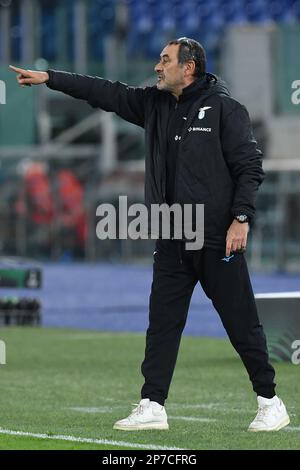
(241, 218)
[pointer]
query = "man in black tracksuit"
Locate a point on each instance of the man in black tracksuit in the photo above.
(199, 150)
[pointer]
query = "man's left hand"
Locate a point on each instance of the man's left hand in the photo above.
(236, 237)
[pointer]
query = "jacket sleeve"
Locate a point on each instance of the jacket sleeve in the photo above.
(128, 102)
(243, 158)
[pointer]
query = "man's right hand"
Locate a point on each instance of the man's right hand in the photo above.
(29, 77)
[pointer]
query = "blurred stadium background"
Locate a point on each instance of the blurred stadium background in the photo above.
(60, 159)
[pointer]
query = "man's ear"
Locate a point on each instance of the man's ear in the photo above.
(190, 67)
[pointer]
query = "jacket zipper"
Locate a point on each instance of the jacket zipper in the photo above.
(184, 133)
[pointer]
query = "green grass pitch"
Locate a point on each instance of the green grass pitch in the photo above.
(75, 383)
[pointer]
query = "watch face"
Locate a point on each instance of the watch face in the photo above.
(242, 218)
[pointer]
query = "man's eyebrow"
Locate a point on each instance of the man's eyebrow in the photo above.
(164, 55)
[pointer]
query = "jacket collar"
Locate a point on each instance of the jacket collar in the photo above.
(194, 87)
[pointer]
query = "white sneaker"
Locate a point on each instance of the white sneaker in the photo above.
(271, 415)
(147, 415)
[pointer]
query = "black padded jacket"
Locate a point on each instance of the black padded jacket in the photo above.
(218, 162)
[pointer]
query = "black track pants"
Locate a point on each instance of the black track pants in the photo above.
(175, 274)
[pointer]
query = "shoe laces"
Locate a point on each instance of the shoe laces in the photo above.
(138, 410)
(263, 413)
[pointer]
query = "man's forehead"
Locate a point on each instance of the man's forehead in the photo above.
(170, 50)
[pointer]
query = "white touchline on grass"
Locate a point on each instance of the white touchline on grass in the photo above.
(208, 406)
(86, 440)
(106, 409)
(191, 418)
(292, 428)
(101, 409)
(168, 406)
(173, 406)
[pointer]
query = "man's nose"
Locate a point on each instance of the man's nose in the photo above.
(158, 68)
